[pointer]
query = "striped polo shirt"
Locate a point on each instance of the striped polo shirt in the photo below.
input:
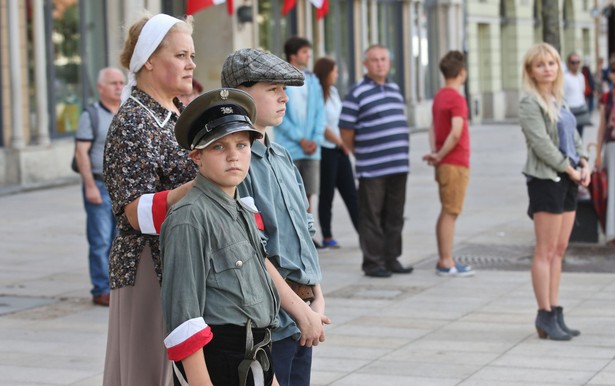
(382, 138)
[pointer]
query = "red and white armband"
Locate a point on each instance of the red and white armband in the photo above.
(189, 337)
(248, 203)
(151, 212)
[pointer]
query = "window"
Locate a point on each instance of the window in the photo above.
(424, 48)
(273, 28)
(65, 62)
(77, 51)
(390, 31)
(339, 42)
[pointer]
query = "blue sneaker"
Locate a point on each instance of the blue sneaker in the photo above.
(331, 244)
(458, 270)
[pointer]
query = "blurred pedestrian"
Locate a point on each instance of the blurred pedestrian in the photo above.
(89, 147)
(605, 154)
(607, 83)
(302, 129)
(574, 92)
(590, 86)
(335, 167)
(145, 172)
(449, 139)
(556, 164)
(374, 128)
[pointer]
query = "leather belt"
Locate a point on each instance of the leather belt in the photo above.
(304, 291)
(98, 177)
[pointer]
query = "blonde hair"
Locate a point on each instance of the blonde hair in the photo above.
(540, 53)
(185, 25)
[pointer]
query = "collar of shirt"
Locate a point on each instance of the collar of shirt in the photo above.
(102, 106)
(212, 191)
(259, 149)
(154, 106)
(367, 79)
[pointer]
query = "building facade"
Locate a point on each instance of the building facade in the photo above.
(51, 50)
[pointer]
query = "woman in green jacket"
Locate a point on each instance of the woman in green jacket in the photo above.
(556, 164)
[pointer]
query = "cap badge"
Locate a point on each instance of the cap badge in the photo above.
(226, 110)
(224, 94)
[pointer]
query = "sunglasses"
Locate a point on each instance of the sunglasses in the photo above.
(575, 62)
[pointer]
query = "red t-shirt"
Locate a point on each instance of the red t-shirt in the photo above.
(449, 103)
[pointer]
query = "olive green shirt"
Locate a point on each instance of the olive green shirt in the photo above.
(544, 158)
(214, 262)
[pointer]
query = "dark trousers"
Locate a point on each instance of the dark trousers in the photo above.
(336, 172)
(293, 363)
(224, 354)
(590, 102)
(381, 219)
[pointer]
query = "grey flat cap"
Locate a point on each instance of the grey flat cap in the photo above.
(214, 115)
(252, 65)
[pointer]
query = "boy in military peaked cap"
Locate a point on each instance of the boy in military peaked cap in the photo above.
(218, 301)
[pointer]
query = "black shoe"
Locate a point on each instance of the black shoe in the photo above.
(318, 245)
(378, 272)
(396, 267)
(547, 326)
(559, 316)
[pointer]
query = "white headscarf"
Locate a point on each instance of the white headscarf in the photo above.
(152, 34)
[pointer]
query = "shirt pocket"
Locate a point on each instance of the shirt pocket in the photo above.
(239, 274)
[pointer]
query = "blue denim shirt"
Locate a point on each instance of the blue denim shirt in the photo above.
(277, 189)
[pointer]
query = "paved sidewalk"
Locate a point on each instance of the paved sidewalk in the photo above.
(417, 329)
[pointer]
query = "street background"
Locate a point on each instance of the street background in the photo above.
(417, 329)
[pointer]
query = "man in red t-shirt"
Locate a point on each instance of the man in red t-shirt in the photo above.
(449, 139)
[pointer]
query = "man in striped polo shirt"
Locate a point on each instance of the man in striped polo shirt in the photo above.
(374, 127)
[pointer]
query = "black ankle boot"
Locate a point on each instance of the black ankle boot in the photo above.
(559, 315)
(547, 327)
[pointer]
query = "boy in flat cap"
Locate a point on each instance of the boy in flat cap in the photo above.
(218, 301)
(276, 187)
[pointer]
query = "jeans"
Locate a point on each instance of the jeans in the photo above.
(336, 172)
(381, 219)
(100, 230)
(292, 363)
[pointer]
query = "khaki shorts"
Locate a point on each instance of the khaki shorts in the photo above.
(452, 185)
(310, 172)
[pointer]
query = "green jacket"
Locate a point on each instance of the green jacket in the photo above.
(544, 158)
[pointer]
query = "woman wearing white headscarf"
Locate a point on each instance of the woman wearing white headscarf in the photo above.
(145, 172)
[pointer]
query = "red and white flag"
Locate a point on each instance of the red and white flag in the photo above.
(194, 6)
(322, 7)
(288, 6)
